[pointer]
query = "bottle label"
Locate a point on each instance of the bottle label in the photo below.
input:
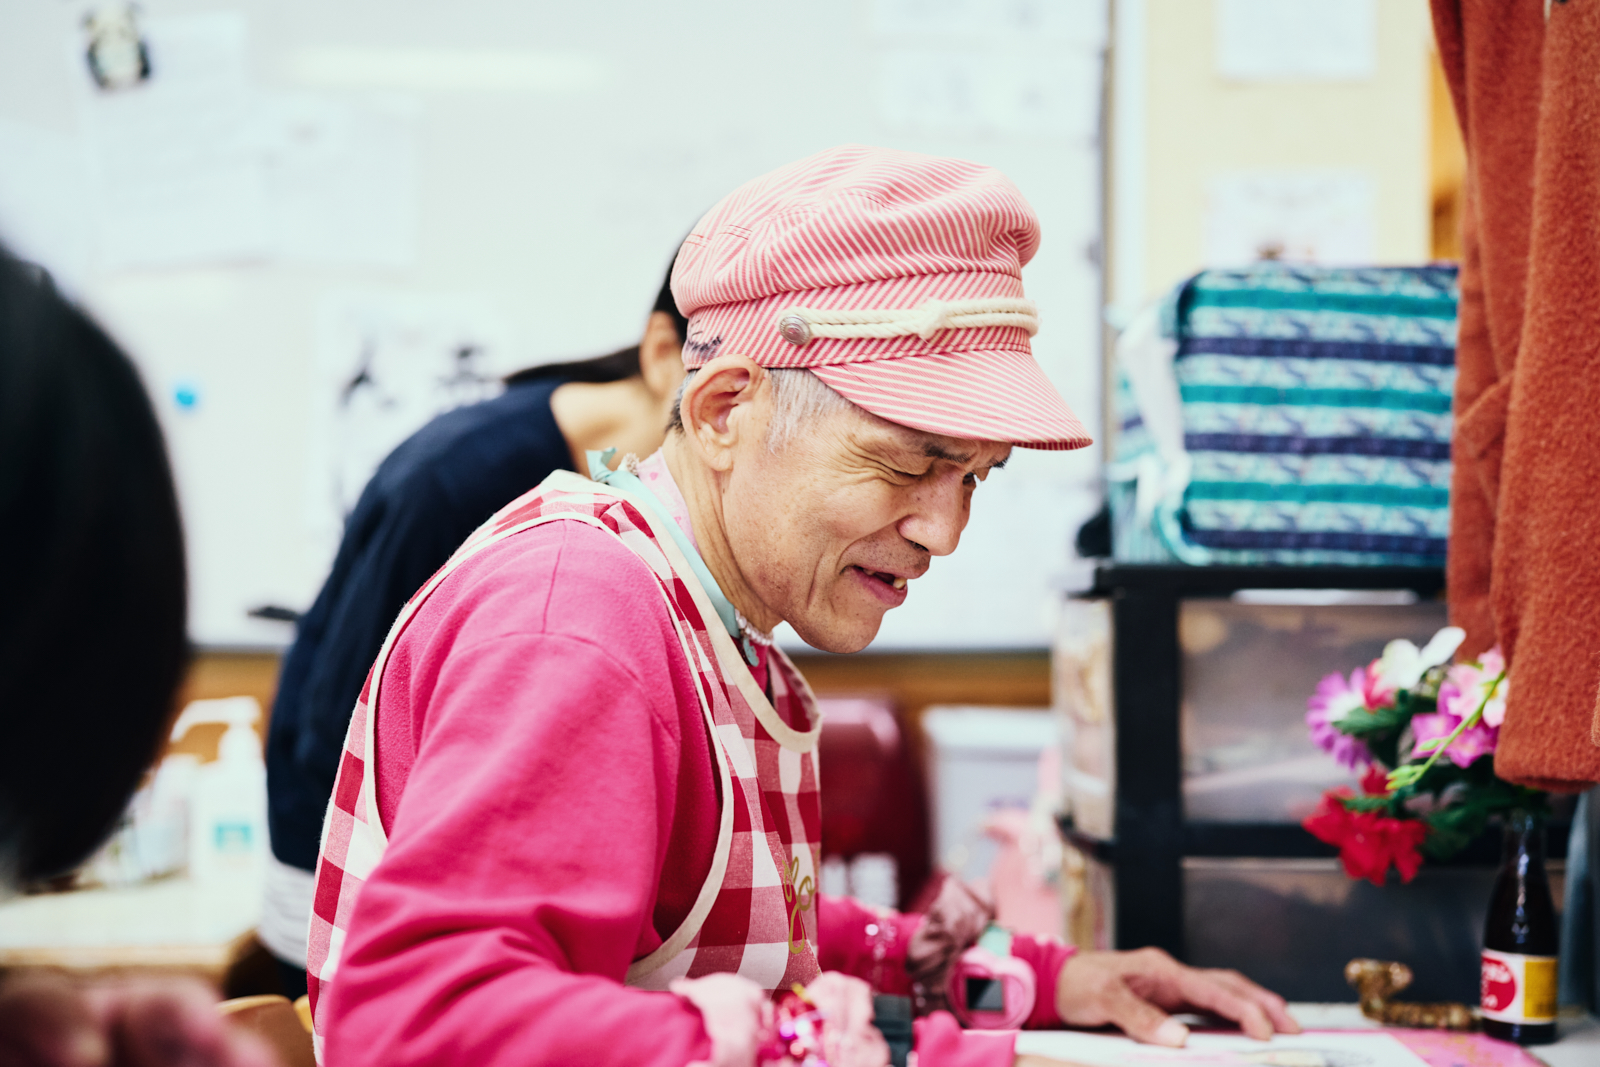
(1517, 988)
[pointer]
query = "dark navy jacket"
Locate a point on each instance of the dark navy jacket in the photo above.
(424, 500)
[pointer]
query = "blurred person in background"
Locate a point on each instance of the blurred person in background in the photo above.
(423, 501)
(93, 647)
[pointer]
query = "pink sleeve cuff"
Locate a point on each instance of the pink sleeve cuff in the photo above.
(1046, 956)
(868, 943)
(871, 944)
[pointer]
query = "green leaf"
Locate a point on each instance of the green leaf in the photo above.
(1380, 729)
(1452, 828)
(1363, 723)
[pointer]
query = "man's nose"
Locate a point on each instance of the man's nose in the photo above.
(937, 518)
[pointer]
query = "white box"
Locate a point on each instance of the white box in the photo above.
(980, 759)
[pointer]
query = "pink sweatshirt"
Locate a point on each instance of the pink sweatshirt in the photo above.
(546, 781)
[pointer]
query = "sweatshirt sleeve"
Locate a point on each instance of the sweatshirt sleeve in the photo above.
(1046, 956)
(520, 873)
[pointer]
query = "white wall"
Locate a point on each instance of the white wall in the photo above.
(560, 152)
(1182, 122)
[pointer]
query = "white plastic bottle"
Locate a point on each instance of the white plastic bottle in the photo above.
(228, 810)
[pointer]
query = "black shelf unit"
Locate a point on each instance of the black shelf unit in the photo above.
(1150, 835)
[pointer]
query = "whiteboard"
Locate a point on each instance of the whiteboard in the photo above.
(520, 174)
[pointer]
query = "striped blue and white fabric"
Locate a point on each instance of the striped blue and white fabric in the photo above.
(1315, 414)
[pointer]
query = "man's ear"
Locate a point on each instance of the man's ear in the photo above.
(661, 356)
(723, 403)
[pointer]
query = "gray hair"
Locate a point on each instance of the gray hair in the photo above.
(798, 397)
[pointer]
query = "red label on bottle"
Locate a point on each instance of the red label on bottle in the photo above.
(1499, 985)
(1517, 988)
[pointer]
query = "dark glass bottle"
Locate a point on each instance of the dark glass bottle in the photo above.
(1520, 941)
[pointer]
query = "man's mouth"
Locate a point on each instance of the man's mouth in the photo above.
(892, 580)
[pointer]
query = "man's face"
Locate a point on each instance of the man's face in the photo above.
(829, 530)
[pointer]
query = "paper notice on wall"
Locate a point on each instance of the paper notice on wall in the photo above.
(43, 187)
(341, 180)
(1313, 216)
(948, 90)
(387, 363)
(196, 166)
(1061, 22)
(1297, 40)
(176, 168)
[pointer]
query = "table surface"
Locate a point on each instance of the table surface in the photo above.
(174, 922)
(177, 922)
(1577, 1044)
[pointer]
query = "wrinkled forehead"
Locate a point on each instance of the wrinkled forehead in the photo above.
(878, 433)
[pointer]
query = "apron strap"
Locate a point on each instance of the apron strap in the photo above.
(622, 478)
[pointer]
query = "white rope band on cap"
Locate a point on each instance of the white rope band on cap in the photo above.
(799, 326)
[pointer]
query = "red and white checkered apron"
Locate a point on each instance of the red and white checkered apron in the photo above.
(755, 914)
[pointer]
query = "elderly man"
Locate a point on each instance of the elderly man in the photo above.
(577, 816)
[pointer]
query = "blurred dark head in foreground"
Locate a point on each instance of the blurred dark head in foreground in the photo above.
(93, 591)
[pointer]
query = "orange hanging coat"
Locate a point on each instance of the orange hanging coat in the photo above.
(1524, 564)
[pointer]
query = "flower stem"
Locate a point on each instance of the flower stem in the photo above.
(1411, 773)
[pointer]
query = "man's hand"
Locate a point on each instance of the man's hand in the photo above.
(49, 1020)
(738, 1017)
(735, 1012)
(1136, 990)
(849, 1036)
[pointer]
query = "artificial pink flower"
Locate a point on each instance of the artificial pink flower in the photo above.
(1335, 699)
(1477, 740)
(1466, 687)
(1470, 684)
(1377, 691)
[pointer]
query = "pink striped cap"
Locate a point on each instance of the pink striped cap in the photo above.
(895, 277)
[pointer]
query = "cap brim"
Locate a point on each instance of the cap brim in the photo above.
(997, 395)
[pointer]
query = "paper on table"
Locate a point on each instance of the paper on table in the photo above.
(1328, 1049)
(178, 179)
(1289, 40)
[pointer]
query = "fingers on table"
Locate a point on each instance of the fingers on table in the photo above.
(1276, 1007)
(1203, 990)
(1140, 1019)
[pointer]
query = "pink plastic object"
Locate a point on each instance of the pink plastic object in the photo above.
(1002, 990)
(1025, 901)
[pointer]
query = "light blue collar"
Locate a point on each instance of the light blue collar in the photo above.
(600, 471)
